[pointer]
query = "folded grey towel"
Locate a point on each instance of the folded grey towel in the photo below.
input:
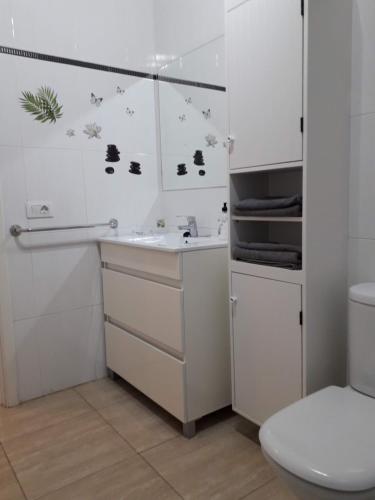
(271, 246)
(267, 256)
(293, 211)
(283, 265)
(269, 202)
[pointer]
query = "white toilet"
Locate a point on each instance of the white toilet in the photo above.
(324, 445)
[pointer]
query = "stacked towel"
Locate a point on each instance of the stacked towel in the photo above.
(270, 254)
(287, 206)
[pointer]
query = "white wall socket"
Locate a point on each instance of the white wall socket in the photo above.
(39, 209)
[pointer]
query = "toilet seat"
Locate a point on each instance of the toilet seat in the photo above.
(327, 439)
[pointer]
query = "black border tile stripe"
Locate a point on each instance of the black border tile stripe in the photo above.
(73, 62)
(102, 67)
(191, 83)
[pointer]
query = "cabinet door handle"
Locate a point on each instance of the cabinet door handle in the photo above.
(229, 143)
(233, 300)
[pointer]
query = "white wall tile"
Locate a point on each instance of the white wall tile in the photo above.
(66, 275)
(205, 204)
(363, 58)
(132, 134)
(59, 351)
(56, 175)
(11, 113)
(6, 23)
(117, 32)
(132, 199)
(361, 260)
(183, 26)
(64, 81)
(29, 362)
(204, 64)
(362, 177)
(47, 27)
(13, 186)
(71, 348)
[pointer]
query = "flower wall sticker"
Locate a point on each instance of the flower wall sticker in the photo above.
(70, 132)
(92, 130)
(129, 112)
(97, 101)
(43, 105)
(211, 140)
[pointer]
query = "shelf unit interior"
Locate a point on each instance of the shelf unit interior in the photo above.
(279, 182)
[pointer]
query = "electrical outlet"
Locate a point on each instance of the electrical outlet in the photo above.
(39, 210)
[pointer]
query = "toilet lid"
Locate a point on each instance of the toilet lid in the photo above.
(327, 439)
(363, 293)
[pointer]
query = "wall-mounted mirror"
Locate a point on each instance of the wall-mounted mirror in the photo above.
(193, 119)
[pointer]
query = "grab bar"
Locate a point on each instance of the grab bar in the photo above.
(17, 230)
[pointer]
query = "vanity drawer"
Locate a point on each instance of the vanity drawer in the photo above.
(165, 264)
(155, 373)
(150, 308)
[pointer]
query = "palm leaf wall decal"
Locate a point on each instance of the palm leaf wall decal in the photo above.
(43, 105)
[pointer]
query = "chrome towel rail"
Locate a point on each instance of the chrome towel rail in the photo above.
(17, 230)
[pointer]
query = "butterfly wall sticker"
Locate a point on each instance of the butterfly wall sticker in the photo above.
(129, 112)
(120, 91)
(207, 114)
(188, 100)
(182, 118)
(97, 101)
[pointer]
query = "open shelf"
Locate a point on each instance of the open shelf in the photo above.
(240, 218)
(265, 229)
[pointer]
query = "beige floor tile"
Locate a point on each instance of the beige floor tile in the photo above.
(131, 479)
(219, 463)
(40, 413)
(9, 487)
(103, 392)
(51, 458)
(141, 423)
(275, 490)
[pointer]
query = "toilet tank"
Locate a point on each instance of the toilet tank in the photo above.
(361, 342)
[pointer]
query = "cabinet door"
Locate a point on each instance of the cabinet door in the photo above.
(267, 346)
(265, 64)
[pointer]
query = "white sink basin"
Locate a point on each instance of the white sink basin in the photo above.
(169, 242)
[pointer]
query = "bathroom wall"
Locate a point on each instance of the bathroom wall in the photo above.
(362, 175)
(56, 303)
(184, 27)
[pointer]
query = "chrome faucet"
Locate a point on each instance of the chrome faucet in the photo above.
(191, 225)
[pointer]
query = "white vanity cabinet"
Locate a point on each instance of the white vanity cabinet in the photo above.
(167, 325)
(288, 60)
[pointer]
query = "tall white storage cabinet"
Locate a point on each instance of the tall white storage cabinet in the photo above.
(288, 76)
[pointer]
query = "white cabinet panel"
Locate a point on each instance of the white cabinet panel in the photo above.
(155, 373)
(160, 263)
(267, 346)
(265, 65)
(150, 308)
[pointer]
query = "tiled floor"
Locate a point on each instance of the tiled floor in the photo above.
(105, 441)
